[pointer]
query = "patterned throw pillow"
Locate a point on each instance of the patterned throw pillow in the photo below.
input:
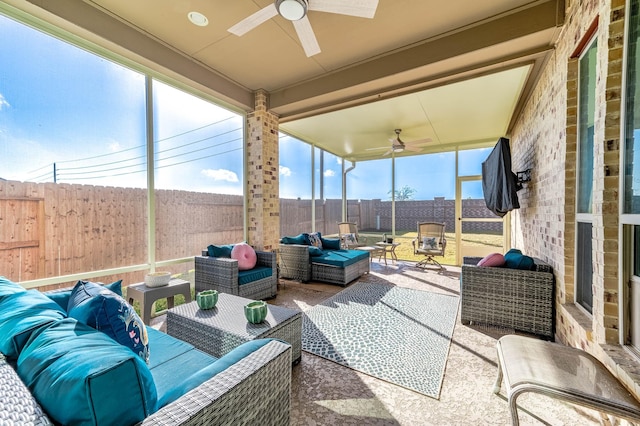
(350, 239)
(315, 239)
(102, 309)
(429, 243)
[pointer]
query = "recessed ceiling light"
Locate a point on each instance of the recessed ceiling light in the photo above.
(198, 19)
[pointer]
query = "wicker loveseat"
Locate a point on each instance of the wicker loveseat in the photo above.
(222, 274)
(253, 385)
(331, 264)
(512, 298)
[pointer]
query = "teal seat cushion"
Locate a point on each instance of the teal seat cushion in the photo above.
(102, 309)
(81, 376)
(62, 297)
(251, 275)
(21, 314)
(341, 258)
(315, 251)
(220, 251)
(8, 287)
(195, 368)
(171, 355)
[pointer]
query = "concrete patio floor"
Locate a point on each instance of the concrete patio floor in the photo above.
(326, 393)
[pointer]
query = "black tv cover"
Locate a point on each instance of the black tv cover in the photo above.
(499, 183)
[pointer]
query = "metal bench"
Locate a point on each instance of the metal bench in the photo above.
(563, 372)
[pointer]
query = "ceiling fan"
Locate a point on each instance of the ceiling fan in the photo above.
(296, 12)
(398, 145)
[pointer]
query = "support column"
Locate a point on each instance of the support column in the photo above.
(263, 192)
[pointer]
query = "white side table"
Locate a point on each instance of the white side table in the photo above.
(147, 295)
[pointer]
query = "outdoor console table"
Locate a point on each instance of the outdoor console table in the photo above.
(147, 295)
(388, 248)
(219, 330)
(563, 372)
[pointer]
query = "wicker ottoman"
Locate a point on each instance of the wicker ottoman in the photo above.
(219, 330)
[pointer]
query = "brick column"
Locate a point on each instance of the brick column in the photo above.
(263, 196)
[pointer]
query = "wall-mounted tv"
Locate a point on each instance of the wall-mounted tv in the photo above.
(499, 183)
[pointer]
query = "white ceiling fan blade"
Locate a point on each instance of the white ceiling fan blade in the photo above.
(419, 142)
(375, 149)
(388, 152)
(360, 8)
(306, 36)
(412, 148)
(252, 21)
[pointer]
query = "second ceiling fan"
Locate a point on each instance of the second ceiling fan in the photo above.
(398, 145)
(296, 12)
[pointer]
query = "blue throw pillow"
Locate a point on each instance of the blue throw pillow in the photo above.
(62, 297)
(331, 243)
(220, 251)
(102, 309)
(21, 315)
(81, 376)
(514, 259)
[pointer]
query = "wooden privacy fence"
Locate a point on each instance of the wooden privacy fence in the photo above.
(49, 229)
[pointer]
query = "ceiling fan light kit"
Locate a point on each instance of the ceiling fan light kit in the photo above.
(292, 10)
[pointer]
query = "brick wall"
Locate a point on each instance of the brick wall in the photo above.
(545, 140)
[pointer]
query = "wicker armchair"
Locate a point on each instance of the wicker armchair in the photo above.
(221, 274)
(512, 298)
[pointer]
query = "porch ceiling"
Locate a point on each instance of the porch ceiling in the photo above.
(457, 72)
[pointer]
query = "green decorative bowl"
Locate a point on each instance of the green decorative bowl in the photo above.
(255, 312)
(207, 299)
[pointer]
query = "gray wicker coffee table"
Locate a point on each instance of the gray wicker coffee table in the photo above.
(219, 330)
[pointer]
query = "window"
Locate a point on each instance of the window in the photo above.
(631, 181)
(74, 143)
(584, 196)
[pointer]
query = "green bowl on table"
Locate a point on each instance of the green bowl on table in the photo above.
(255, 312)
(207, 299)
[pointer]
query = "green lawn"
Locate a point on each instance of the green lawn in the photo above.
(405, 249)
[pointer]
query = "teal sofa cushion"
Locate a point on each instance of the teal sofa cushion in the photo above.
(174, 355)
(8, 287)
(302, 239)
(341, 258)
(81, 376)
(331, 243)
(102, 309)
(315, 251)
(251, 275)
(21, 314)
(220, 251)
(62, 297)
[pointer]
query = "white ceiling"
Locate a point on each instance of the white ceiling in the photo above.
(456, 71)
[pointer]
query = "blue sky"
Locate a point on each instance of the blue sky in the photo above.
(60, 104)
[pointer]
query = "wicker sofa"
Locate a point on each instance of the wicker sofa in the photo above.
(254, 387)
(512, 298)
(296, 263)
(222, 274)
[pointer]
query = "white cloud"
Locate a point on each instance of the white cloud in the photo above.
(329, 173)
(115, 146)
(339, 160)
(285, 171)
(221, 174)
(3, 102)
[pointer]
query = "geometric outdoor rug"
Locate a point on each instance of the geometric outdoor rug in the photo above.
(396, 334)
